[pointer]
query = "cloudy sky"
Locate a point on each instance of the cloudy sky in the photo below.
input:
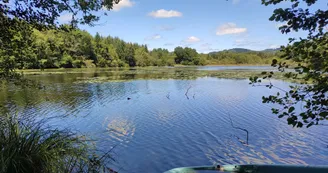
(206, 25)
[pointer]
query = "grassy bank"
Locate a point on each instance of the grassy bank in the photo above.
(30, 146)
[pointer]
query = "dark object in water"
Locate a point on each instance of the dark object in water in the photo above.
(129, 98)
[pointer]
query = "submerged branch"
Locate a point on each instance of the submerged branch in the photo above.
(187, 92)
(168, 96)
(239, 129)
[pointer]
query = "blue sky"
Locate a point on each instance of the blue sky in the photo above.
(206, 25)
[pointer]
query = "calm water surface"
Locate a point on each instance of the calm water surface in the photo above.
(160, 128)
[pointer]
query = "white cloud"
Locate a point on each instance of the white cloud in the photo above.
(165, 13)
(246, 42)
(121, 4)
(192, 39)
(274, 46)
(239, 41)
(206, 45)
(229, 28)
(280, 24)
(154, 37)
(165, 28)
(168, 44)
(65, 18)
(235, 1)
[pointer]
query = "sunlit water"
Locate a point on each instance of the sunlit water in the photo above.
(162, 127)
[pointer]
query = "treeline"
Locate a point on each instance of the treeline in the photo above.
(252, 57)
(68, 48)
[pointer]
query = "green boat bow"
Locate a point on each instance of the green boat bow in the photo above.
(254, 169)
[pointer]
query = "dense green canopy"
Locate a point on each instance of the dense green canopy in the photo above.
(19, 18)
(74, 48)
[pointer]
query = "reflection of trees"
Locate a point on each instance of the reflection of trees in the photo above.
(34, 99)
(105, 75)
(108, 92)
(68, 97)
(183, 85)
(73, 89)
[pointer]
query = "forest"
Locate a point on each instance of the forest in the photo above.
(74, 48)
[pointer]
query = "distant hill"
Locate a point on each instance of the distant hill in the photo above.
(239, 50)
(271, 50)
(243, 50)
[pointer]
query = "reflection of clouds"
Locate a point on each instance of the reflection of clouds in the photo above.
(285, 160)
(232, 152)
(164, 116)
(292, 151)
(121, 130)
(285, 150)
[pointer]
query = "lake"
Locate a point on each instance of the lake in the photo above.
(162, 118)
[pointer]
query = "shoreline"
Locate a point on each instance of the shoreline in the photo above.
(122, 68)
(237, 65)
(117, 69)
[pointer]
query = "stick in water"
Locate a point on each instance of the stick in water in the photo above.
(187, 92)
(239, 129)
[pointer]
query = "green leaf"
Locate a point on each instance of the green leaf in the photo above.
(291, 109)
(290, 120)
(299, 125)
(309, 125)
(323, 114)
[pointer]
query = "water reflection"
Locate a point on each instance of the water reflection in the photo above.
(154, 133)
(120, 130)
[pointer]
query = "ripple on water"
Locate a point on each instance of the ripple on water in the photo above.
(156, 133)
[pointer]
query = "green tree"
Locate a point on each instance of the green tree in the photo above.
(142, 57)
(180, 54)
(114, 59)
(66, 61)
(161, 57)
(18, 18)
(185, 55)
(311, 53)
(129, 54)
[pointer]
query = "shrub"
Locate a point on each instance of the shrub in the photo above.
(78, 63)
(102, 62)
(66, 61)
(89, 64)
(33, 147)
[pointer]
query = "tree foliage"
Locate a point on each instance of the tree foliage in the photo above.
(75, 48)
(19, 19)
(252, 57)
(186, 56)
(45, 13)
(311, 54)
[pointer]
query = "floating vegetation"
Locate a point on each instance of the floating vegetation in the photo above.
(101, 75)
